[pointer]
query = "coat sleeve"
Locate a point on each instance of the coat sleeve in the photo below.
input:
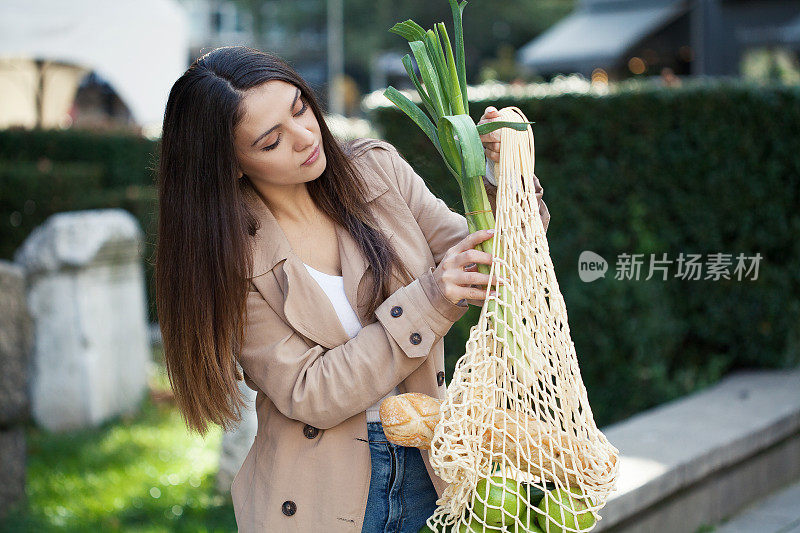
(443, 227)
(323, 387)
(544, 213)
(491, 192)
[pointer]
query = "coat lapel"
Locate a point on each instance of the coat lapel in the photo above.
(306, 306)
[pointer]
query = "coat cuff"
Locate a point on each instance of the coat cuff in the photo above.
(450, 311)
(490, 183)
(544, 212)
(415, 320)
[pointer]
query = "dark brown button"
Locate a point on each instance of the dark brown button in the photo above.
(310, 431)
(396, 311)
(415, 338)
(440, 377)
(289, 508)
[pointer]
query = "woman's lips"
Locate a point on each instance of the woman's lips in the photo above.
(313, 157)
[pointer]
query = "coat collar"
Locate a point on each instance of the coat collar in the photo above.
(271, 250)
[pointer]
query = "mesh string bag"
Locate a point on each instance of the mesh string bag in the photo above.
(516, 410)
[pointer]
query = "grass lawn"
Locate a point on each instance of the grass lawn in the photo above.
(140, 473)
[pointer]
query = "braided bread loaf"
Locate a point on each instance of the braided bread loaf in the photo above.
(408, 419)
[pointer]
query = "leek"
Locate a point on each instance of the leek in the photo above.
(443, 92)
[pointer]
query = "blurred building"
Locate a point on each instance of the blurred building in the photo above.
(89, 63)
(214, 23)
(619, 38)
(387, 69)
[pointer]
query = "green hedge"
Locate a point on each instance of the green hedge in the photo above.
(126, 159)
(705, 168)
(43, 172)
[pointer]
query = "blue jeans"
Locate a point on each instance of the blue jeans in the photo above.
(401, 493)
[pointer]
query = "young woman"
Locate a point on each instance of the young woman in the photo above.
(328, 271)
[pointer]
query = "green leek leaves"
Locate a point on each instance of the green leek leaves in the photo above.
(448, 125)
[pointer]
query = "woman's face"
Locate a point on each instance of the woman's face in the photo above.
(277, 135)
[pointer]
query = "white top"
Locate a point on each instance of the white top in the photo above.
(334, 288)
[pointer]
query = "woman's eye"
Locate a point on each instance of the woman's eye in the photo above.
(276, 143)
(273, 145)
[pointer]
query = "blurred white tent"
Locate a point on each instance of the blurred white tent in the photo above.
(598, 34)
(46, 47)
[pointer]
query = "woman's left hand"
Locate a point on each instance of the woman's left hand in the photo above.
(491, 147)
(473, 267)
(491, 140)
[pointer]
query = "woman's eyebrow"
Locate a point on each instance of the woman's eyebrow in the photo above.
(296, 95)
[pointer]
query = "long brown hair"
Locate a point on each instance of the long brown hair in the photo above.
(203, 258)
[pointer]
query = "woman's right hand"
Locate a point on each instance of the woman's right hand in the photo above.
(491, 140)
(453, 275)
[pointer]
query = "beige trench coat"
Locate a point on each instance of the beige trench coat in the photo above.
(308, 469)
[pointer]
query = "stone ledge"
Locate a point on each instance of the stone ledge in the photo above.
(778, 512)
(74, 239)
(16, 339)
(668, 450)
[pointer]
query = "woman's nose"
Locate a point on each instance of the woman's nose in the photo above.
(305, 137)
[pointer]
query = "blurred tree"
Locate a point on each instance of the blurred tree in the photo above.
(505, 68)
(771, 64)
(488, 26)
(255, 8)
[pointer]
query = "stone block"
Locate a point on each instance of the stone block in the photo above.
(86, 295)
